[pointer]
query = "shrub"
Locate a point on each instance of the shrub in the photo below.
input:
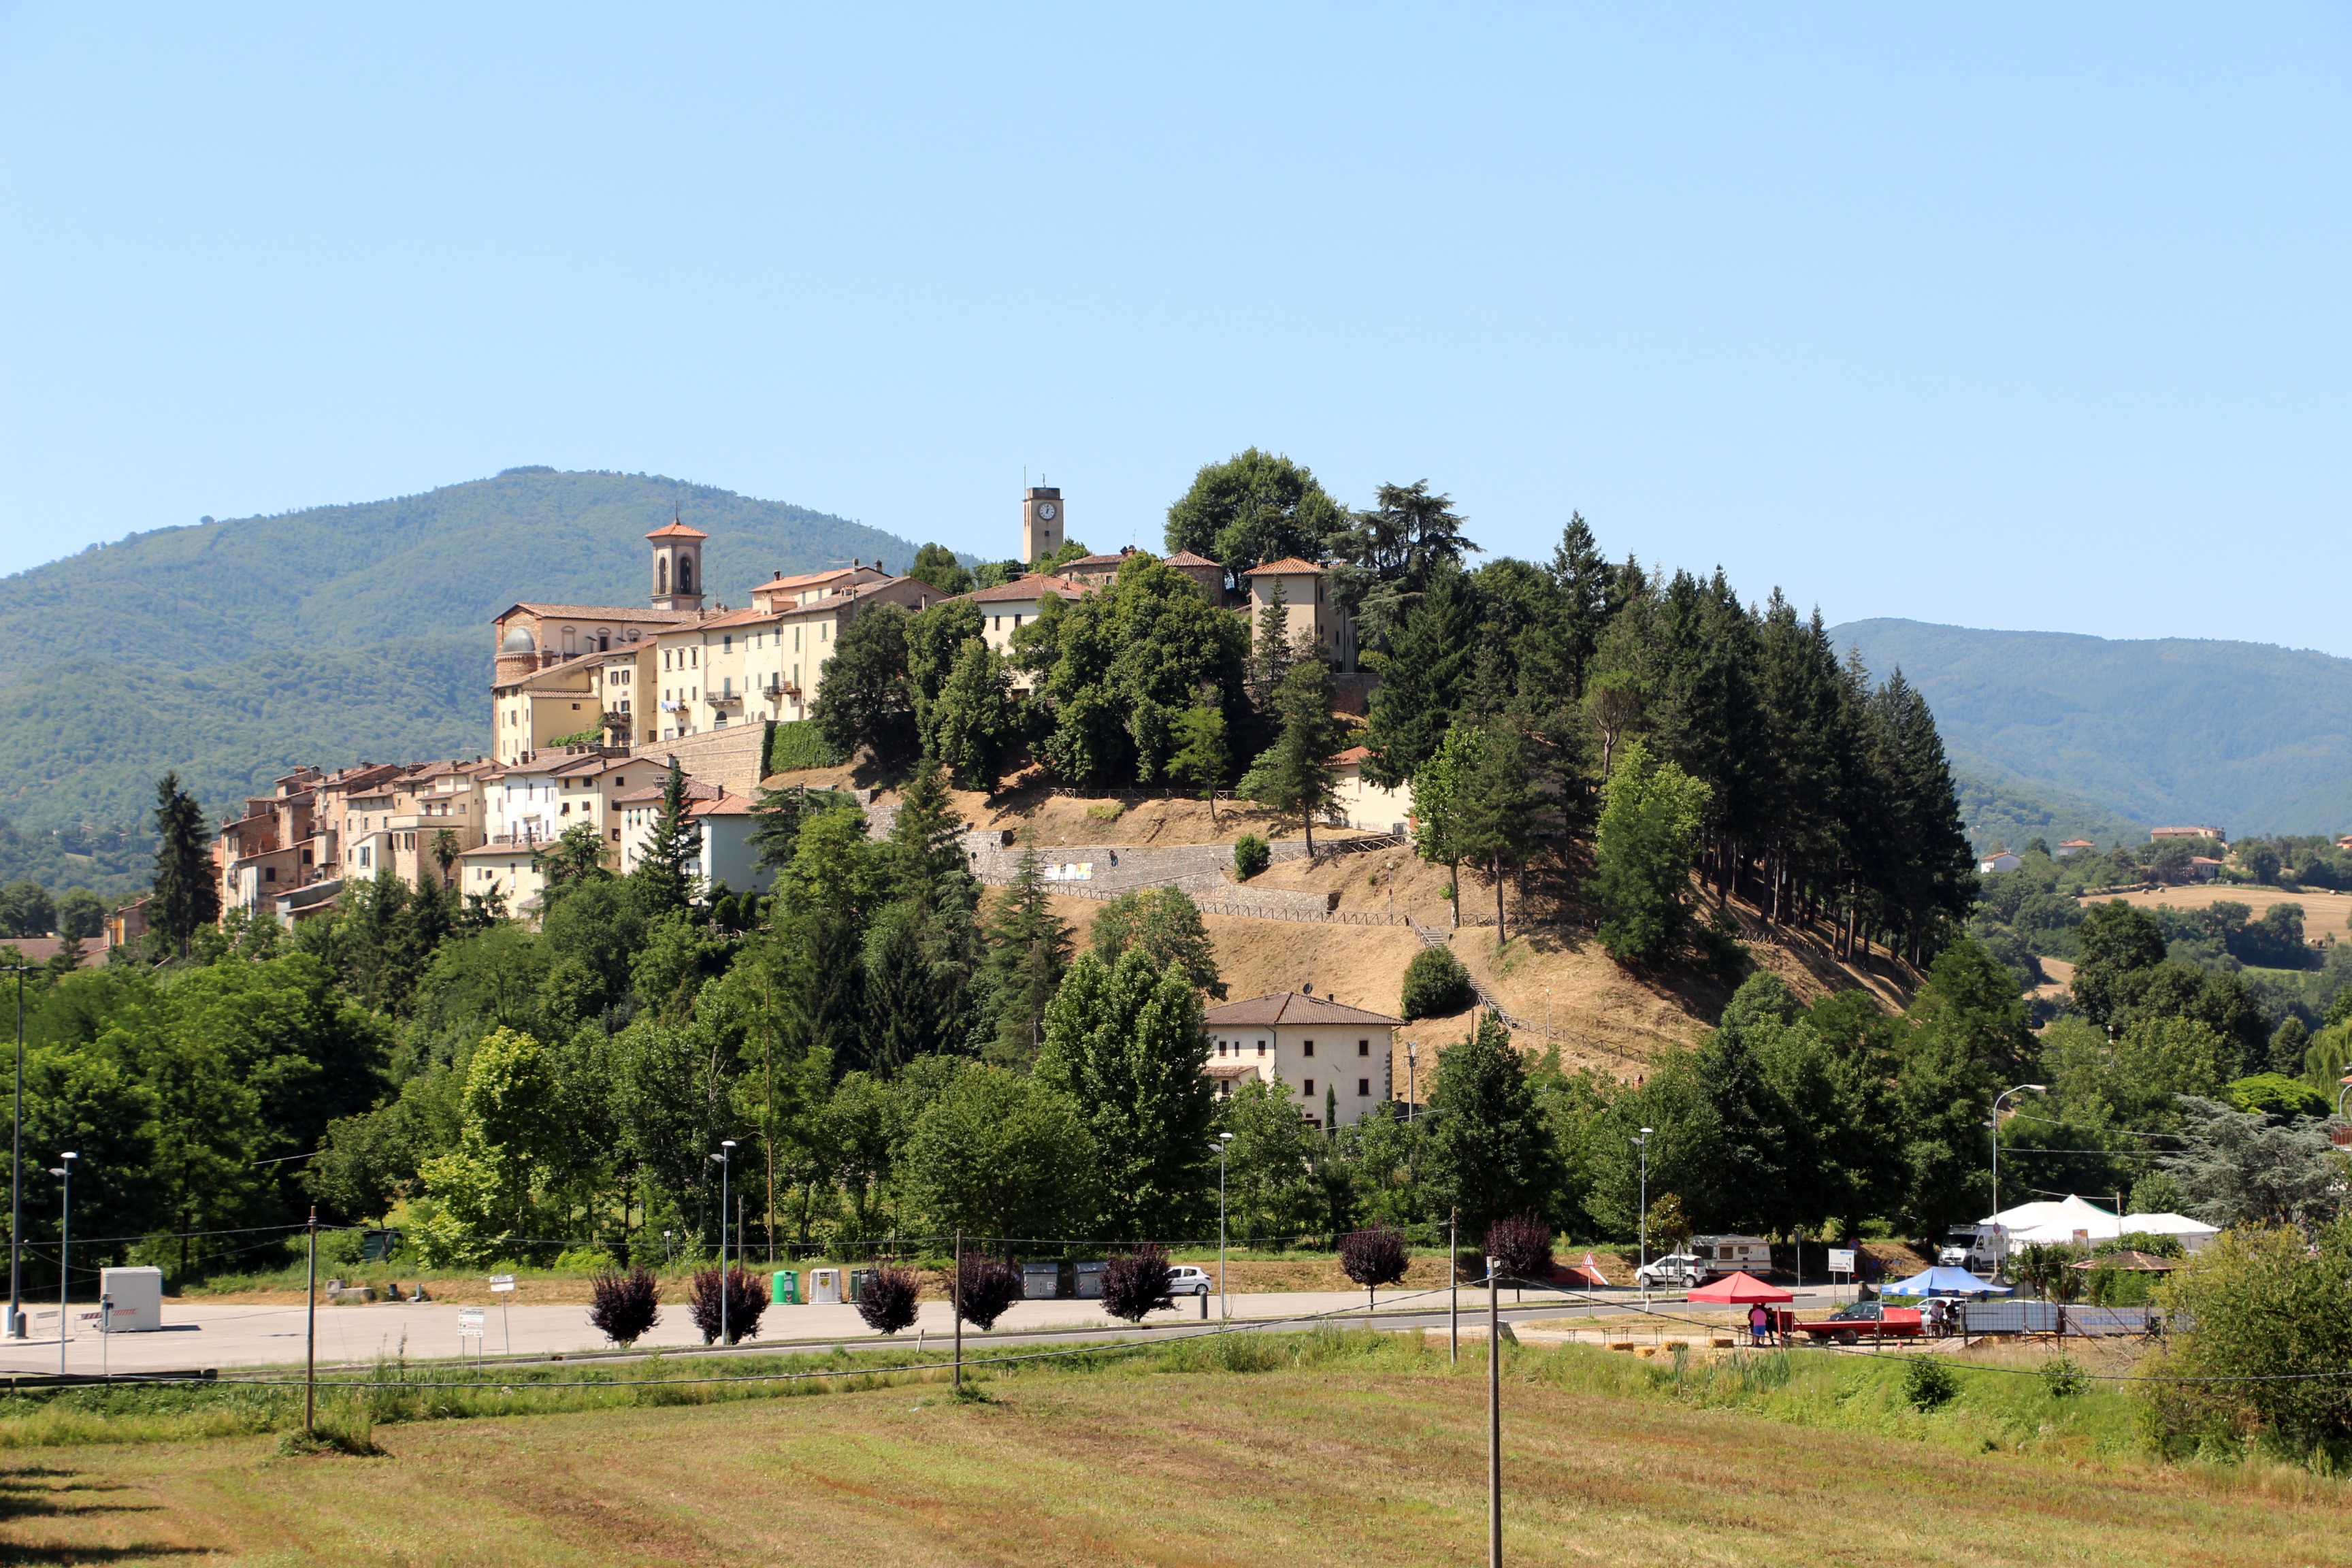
(624, 1307)
(584, 1261)
(1106, 811)
(2064, 1377)
(745, 1302)
(1373, 1258)
(800, 745)
(1520, 1245)
(1929, 1383)
(983, 1288)
(887, 1299)
(1251, 856)
(1136, 1282)
(1435, 985)
(2277, 1096)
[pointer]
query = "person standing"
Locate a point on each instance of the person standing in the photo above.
(1760, 1325)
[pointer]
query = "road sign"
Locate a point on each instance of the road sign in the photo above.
(1842, 1259)
(501, 1281)
(469, 1321)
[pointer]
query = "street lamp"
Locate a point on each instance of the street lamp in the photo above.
(17, 1178)
(2005, 1094)
(1412, 1076)
(64, 1248)
(725, 1144)
(1641, 1272)
(1225, 1301)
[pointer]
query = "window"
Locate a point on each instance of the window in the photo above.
(1261, 1048)
(1310, 1047)
(1363, 1085)
(269, 873)
(1220, 1048)
(726, 643)
(1309, 1089)
(616, 836)
(796, 639)
(1016, 622)
(1363, 1047)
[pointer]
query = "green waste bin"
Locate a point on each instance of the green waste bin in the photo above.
(787, 1292)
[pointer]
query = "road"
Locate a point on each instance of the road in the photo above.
(196, 1335)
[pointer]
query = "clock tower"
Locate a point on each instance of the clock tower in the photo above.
(1042, 526)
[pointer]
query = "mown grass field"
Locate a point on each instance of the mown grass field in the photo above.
(1317, 1448)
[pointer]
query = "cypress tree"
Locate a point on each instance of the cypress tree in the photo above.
(185, 895)
(665, 877)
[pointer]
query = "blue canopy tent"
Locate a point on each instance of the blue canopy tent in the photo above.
(1944, 1283)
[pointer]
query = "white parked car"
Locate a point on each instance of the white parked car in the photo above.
(1677, 1269)
(1186, 1281)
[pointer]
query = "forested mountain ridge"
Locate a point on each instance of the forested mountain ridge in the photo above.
(2245, 736)
(232, 650)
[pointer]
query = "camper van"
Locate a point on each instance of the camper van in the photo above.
(1979, 1249)
(1721, 1255)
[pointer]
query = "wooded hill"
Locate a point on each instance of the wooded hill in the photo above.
(2244, 736)
(231, 650)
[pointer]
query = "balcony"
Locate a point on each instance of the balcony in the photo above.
(721, 698)
(777, 689)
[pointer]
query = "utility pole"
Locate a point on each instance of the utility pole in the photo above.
(1642, 1143)
(65, 1250)
(16, 1180)
(1494, 1417)
(1453, 1286)
(957, 1304)
(1224, 1298)
(310, 1333)
(726, 1147)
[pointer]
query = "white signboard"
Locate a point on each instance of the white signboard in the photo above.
(501, 1282)
(1841, 1260)
(469, 1321)
(1084, 871)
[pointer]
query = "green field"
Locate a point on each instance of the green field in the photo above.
(1328, 1448)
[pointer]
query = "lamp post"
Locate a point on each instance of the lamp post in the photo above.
(726, 1145)
(65, 1249)
(16, 1177)
(1412, 1078)
(2005, 1094)
(1224, 1300)
(1641, 1271)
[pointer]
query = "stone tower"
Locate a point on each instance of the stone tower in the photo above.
(677, 566)
(1042, 526)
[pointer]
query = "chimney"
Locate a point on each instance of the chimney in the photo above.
(854, 563)
(879, 567)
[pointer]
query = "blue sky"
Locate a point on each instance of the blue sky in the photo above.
(2022, 316)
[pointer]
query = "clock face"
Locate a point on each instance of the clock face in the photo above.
(1046, 511)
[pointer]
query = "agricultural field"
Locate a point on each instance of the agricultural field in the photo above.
(1324, 1448)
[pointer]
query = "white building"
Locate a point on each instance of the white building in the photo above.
(1310, 1045)
(1364, 804)
(1009, 606)
(2000, 860)
(725, 853)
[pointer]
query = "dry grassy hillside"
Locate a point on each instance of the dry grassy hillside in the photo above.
(1552, 974)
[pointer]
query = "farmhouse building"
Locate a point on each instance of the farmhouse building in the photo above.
(1312, 1046)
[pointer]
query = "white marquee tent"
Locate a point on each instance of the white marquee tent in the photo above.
(2048, 1222)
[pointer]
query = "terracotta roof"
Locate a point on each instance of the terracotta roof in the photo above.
(1291, 1008)
(593, 764)
(1098, 560)
(2077, 844)
(735, 618)
(1230, 1069)
(1186, 558)
(725, 805)
(805, 579)
(599, 612)
(1288, 566)
(41, 949)
(1030, 585)
(1353, 754)
(695, 790)
(675, 529)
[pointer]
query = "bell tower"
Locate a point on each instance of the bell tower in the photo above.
(1042, 526)
(677, 566)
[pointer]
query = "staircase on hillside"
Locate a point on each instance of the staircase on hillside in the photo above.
(1433, 936)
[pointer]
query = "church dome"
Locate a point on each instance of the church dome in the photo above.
(517, 640)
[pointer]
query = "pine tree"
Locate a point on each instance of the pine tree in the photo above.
(1295, 776)
(185, 895)
(1494, 811)
(1029, 951)
(1203, 757)
(1425, 677)
(1490, 1154)
(666, 876)
(926, 860)
(1271, 654)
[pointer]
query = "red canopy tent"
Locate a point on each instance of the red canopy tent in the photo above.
(1738, 1291)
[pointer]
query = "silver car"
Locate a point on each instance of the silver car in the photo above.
(1186, 1281)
